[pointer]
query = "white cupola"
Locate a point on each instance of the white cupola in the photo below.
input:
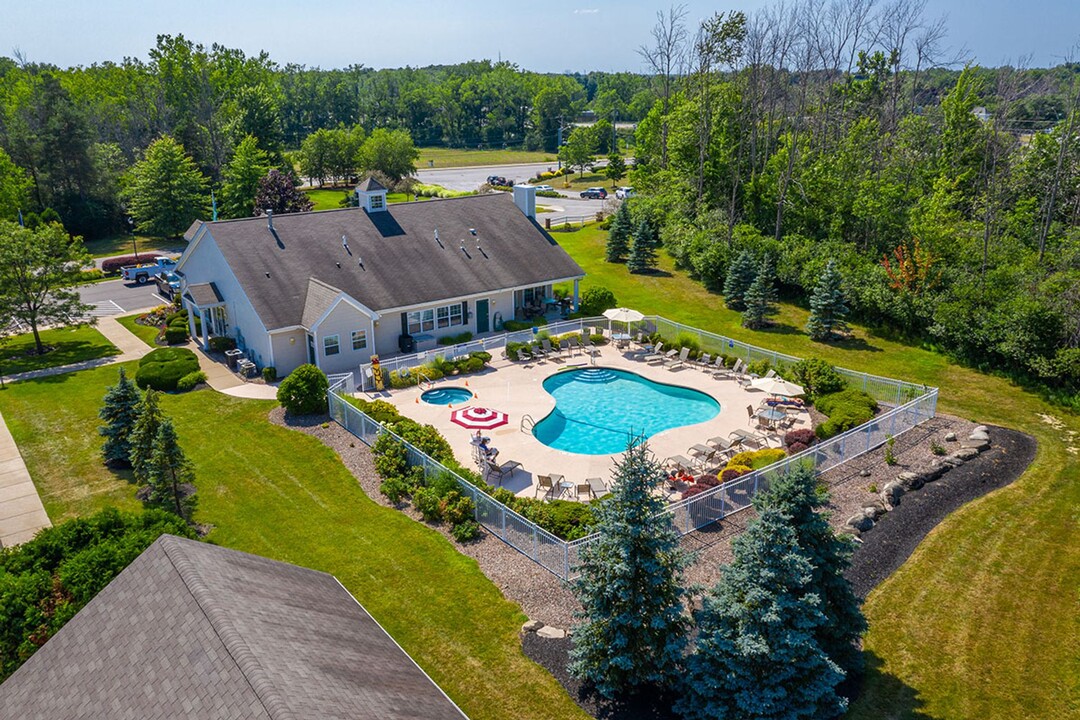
(371, 195)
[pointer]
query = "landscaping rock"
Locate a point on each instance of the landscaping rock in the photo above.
(551, 633)
(966, 453)
(891, 494)
(860, 522)
(950, 437)
(953, 461)
(532, 626)
(873, 511)
(981, 428)
(910, 480)
(976, 445)
(864, 473)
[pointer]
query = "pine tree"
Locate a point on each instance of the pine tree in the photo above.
(642, 256)
(120, 411)
(618, 242)
(755, 654)
(143, 436)
(740, 277)
(171, 477)
(760, 298)
(795, 495)
(166, 191)
(828, 306)
(249, 164)
(633, 629)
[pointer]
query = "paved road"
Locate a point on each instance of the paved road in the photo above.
(117, 297)
(569, 206)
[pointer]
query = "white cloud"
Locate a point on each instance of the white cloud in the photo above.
(586, 11)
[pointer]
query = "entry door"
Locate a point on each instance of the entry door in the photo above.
(311, 349)
(481, 316)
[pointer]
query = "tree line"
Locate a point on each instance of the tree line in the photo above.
(808, 132)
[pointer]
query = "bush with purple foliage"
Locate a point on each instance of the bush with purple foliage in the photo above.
(805, 436)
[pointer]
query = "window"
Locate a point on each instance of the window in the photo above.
(442, 317)
(359, 339)
(331, 345)
(377, 201)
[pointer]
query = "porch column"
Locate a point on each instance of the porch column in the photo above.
(206, 316)
(576, 283)
(190, 318)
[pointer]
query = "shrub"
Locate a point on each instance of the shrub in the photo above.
(456, 339)
(733, 472)
(113, 265)
(695, 489)
(176, 335)
(86, 276)
(269, 373)
(303, 392)
(162, 369)
(596, 300)
(802, 435)
(456, 509)
(474, 364)
(220, 343)
(797, 447)
(518, 325)
(465, 531)
(394, 488)
(189, 381)
(890, 456)
(846, 409)
(482, 355)
(428, 503)
(391, 458)
(547, 194)
(937, 448)
(758, 367)
(756, 459)
(708, 480)
(817, 377)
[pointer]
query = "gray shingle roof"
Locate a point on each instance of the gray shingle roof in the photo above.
(191, 630)
(370, 184)
(319, 298)
(204, 294)
(402, 263)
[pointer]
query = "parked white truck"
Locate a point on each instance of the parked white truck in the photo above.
(144, 272)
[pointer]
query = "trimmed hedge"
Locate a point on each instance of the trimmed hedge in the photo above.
(846, 409)
(162, 369)
(189, 381)
(303, 392)
(113, 265)
(756, 459)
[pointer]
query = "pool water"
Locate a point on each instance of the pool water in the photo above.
(598, 409)
(446, 396)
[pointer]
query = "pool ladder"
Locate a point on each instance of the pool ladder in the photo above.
(422, 378)
(527, 423)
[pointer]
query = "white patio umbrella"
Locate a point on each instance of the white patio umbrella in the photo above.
(624, 315)
(777, 386)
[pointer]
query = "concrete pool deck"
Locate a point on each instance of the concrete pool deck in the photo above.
(516, 388)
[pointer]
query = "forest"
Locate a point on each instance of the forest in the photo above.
(948, 194)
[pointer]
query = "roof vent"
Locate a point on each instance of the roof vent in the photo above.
(270, 219)
(338, 264)
(267, 274)
(437, 240)
(472, 231)
(345, 243)
(360, 262)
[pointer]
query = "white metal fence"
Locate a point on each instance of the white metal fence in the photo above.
(909, 405)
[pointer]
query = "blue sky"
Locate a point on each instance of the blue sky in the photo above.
(544, 35)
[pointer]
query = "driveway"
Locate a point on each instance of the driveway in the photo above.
(117, 297)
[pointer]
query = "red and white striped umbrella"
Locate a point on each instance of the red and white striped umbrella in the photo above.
(478, 418)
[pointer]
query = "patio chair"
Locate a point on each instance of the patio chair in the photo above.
(750, 414)
(538, 352)
(545, 483)
(501, 471)
(587, 345)
(771, 373)
(564, 347)
(574, 343)
(548, 350)
(673, 362)
(585, 489)
(726, 373)
(657, 352)
(658, 359)
(599, 488)
(705, 361)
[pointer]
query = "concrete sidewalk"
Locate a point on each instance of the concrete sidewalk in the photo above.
(21, 511)
(130, 347)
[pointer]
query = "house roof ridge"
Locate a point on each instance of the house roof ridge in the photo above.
(235, 644)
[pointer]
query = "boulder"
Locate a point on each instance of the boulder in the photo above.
(953, 461)
(976, 445)
(910, 480)
(873, 511)
(864, 473)
(891, 494)
(979, 436)
(532, 626)
(950, 437)
(966, 453)
(860, 522)
(981, 428)
(551, 633)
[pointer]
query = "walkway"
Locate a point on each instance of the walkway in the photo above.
(21, 511)
(129, 345)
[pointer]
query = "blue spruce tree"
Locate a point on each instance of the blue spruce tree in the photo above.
(120, 410)
(633, 626)
(618, 243)
(760, 299)
(740, 276)
(756, 655)
(795, 495)
(642, 256)
(828, 307)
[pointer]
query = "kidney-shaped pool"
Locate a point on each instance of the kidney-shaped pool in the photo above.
(598, 409)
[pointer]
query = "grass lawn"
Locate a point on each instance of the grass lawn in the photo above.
(121, 245)
(144, 332)
(70, 345)
(450, 157)
(578, 183)
(981, 622)
(330, 198)
(282, 494)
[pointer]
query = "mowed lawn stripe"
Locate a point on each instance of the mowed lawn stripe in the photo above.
(284, 495)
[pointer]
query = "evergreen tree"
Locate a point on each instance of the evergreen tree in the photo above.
(760, 298)
(795, 495)
(119, 411)
(618, 242)
(642, 256)
(171, 477)
(166, 192)
(755, 654)
(277, 191)
(143, 435)
(249, 164)
(633, 629)
(828, 307)
(740, 277)
(615, 170)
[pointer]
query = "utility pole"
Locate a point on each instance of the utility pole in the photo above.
(614, 137)
(558, 143)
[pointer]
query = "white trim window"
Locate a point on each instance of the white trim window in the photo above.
(421, 321)
(377, 201)
(331, 345)
(359, 339)
(440, 317)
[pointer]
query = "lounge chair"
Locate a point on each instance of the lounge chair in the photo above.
(545, 483)
(704, 361)
(501, 471)
(564, 347)
(673, 362)
(725, 373)
(657, 352)
(585, 489)
(575, 345)
(657, 359)
(538, 352)
(587, 345)
(548, 350)
(599, 488)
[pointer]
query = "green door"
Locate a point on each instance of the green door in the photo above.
(482, 316)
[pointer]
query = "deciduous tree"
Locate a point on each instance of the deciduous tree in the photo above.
(390, 152)
(615, 170)
(277, 191)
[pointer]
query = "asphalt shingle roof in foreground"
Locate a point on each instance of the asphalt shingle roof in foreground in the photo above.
(192, 630)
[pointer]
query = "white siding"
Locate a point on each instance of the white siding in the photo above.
(342, 321)
(290, 351)
(204, 263)
(386, 335)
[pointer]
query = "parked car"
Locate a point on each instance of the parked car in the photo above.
(542, 188)
(499, 180)
(624, 193)
(143, 272)
(594, 193)
(168, 283)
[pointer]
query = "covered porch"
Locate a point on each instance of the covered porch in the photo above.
(540, 301)
(204, 300)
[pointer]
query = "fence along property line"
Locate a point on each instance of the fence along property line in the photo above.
(910, 405)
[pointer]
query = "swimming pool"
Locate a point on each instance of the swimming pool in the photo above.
(597, 409)
(446, 396)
